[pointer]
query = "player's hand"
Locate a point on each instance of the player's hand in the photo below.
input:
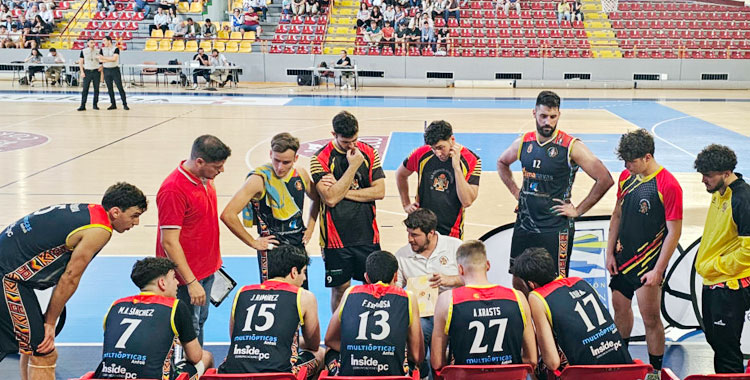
(410, 208)
(48, 344)
(355, 157)
(197, 293)
(455, 155)
(265, 243)
(564, 209)
(611, 264)
(307, 236)
(653, 277)
(328, 180)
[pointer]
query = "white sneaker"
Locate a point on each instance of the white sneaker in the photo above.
(195, 86)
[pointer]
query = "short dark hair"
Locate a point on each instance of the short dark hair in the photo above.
(52, 50)
(124, 196)
(635, 144)
(189, 19)
(208, 20)
(471, 252)
(214, 51)
(149, 269)
(549, 99)
(535, 265)
(345, 124)
(210, 149)
(422, 218)
(715, 158)
(283, 142)
(108, 38)
(282, 259)
(437, 131)
(381, 266)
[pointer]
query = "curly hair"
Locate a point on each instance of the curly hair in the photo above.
(635, 144)
(715, 158)
(437, 131)
(124, 196)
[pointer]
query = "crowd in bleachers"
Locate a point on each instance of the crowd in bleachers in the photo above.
(24, 24)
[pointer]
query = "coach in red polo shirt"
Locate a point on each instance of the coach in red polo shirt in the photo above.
(189, 224)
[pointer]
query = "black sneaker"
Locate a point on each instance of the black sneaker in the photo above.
(96, 107)
(81, 108)
(112, 107)
(125, 107)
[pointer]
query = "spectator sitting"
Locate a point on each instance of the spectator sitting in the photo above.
(237, 20)
(105, 5)
(404, 3)
(209, 30)
(259, 6)
(50, 4)
(373, 34)
(348, 76)
(427, 37)
(31, 12)
(3, 36)
(426, 7)
(24, 23)
(400, 16)
(563, 11)
(161, 21)
(323, 5)
(252, 23)
(15, 38)
(34, 58)
(17, 4)
(46, 14)
(515, 3)
(142, 5)
(363, 15)
(389, 14)
(220, 76)
(453, 9)
(311, 7)
(202, 59)
(426, 17)
(415, 3)
(413, 35)
(377, 15)
(4, 11)
(167, 4)
(298, 7)
(54, 73)
(180, 30)
(442, 37)
(192, 30)
(438, 8)
(175, 20)
(8, 23)
(576, 10)
(286, 7)
(377, 3)
(29, 38)
(402, 36)
(388, 34)
(224, 33)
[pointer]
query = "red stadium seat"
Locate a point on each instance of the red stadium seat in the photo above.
(638, 370)
(212, 375)
(90, 376)
(723, 376)
(485, 372)
(324, 376)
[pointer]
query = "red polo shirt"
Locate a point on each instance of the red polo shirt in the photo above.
(185, 203)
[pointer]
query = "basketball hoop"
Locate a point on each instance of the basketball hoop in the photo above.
(609, 6)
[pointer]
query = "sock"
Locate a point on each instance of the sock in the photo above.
(655, 361)
(626, 342)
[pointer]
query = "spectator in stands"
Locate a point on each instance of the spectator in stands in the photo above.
(286, 7)
(191, 29)
(167, 4)
(181, 30)
(441, 38)
(427, 37)
(413, 35)
(373, 34)
(563, 11)
(209, 29)
(29, 39)
(237, 20)
(388, 35)
(4, 11)
(389, 14)
(105, 5)
(3, 36)
(175, 20)
(46, 14)
(31, 12)
(202, 59)
(161, 21)
(402, 36)
(377, 15)
(8, 23)
(513, 3)
(142, 6)
(426, 17)
(251, 23)
(345, 62)
(311, 7)
(35, 58)
(363, 15)
(259, 6)
(14, 38)
(298, 7)
(426, 7)
(40, 27)
(50, 4)
(438, 8)
(24, 22)
(323, 5)
(377, 3)
(17, 4)
(220, 76)
(575, 9)
(54, 73)
(453, 9)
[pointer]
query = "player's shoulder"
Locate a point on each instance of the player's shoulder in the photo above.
(469, 154)
(365, 147)
(666, 178)
(324, 150)
(420, 151)
(740, 193)
(528, 137)
(564, 139)
(625, 174)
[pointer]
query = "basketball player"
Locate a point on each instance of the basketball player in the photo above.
(447, 178)
(568, 313)
(722, 258)
(550, 159)
(52, 247)
(375, 324)
(349, 179)
(266, 319)
(643, 233)
(273, 198)
(141, 331)
(481, 323)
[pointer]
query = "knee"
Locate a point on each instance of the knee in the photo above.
(207, 359)
(47, 361)
(651, 320)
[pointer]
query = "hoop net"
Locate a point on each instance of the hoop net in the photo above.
(609, 5)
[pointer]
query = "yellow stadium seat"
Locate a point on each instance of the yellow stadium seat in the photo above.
(169, 34)
(183, 7)
(191, 46)
(246, 47)
(235, 36)
(249, 36)
(165, 45)
(232, 47)
(151, 45)
(178, 45)
(222, 35)
(220, 46)
(206, 45)
(225, 23)
(157, 33)
(237, 4)
(196, 7)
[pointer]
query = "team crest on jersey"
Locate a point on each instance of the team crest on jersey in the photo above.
(298, 185)
(355, 184)
(530, 148)
(443, 260)
(645, 206)
(724, 207)
(440, 180)
(552, 152)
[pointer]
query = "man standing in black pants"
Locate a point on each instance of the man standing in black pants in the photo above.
(90, 70)
(109, 56)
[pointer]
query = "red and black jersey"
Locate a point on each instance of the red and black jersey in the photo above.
(485, 325)
(349, 223)
(140, 333)
(582, 325)
(437, 186)
(647, 204)
(34, 250)
(548, 173)
(264, 334)
(375, 320)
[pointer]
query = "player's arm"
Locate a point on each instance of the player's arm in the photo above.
(439, 343)
(368, 194)
(402, 183)
(252, 188)
(170, 241)
(614, 233)
(738, 260)
(333, 334)
(528, 349)
(503, 167)
(655, 276)
(544, 336)
(314, 205)
(334, 193)
(311, 326)
(89, 242)
(183, 324)
(415, 339)
(594, 167)
(467, 192)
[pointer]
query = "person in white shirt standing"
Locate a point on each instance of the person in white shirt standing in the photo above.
(109, 56)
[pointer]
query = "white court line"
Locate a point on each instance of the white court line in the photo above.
(653, 132)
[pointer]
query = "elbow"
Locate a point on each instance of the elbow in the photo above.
(330, 203)
(225, 216)
(467, 203)
(607, 181)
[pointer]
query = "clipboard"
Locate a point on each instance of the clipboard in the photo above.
(426, 295)
(222, 286)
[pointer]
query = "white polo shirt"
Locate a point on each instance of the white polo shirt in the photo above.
(442, 260)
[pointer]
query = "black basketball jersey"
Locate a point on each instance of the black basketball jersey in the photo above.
(264, 334)
(289, 231)
(485, 325)
(548, 173)
(375, 322)
(140, 333)
(34, 250)
(581, 323)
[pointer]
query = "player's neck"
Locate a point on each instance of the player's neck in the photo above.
(732, 177)
(651, 168)
(189, 165)
(430, 247)
(479, 279)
